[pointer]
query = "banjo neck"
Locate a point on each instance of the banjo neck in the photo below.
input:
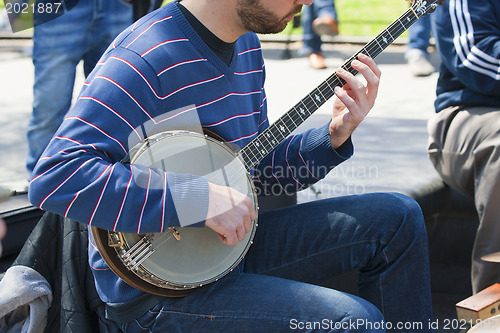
(270, 138)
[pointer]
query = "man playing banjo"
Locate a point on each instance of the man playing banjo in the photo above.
(203, 55)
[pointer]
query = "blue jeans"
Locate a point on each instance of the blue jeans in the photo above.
(420, 33)
(319, 8)
(296, 249)
(83, 33)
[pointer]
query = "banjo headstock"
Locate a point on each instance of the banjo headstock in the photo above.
(423, 7)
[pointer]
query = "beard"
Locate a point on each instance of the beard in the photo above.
(260, 20)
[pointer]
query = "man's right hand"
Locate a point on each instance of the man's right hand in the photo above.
(230, 213)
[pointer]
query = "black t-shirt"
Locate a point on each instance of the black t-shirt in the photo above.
(222, 49)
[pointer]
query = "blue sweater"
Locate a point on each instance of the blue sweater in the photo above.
(468, 39)
(158, 68)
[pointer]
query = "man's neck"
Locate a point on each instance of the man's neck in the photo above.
(219, 16)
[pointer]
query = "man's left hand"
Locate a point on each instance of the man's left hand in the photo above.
(354, 100)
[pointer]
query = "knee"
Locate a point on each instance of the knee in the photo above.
(405, 207)
(405, 215)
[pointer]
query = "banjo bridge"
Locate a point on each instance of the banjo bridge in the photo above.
(175, 233)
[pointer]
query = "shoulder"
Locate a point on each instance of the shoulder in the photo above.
(249, 43)
(157, 39)
(249, 51)
(152, 29)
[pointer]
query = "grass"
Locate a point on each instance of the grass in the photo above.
(364, 17)
(367, 17)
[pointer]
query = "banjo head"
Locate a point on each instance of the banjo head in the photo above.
(181, 259)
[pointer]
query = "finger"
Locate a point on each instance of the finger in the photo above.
(230, 239)
(222, 238)
(370, 77)
(248, 225)
(3, 229)
(241, 233)
(253, 213)
(347, 98)
(250, 209)
(352, 83)
(370, 63)
(368, 94)
(222, 227)
(349, 91)
(370, 72)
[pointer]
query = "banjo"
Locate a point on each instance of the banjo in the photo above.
(181, 259)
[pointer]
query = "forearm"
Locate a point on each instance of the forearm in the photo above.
(300, 161)
(114, 196)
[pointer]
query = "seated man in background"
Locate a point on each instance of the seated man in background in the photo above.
(465, 133)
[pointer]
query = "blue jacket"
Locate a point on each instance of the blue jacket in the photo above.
(467, 35)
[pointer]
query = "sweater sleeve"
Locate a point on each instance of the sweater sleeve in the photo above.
(80, 175)
(299, 161)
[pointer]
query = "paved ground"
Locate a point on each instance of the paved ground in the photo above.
(389, 145)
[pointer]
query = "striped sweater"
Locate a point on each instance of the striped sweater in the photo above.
(154, 71)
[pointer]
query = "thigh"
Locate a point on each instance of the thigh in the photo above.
(381, 234)
(315, 241)
(243, 302)
(458, 140)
